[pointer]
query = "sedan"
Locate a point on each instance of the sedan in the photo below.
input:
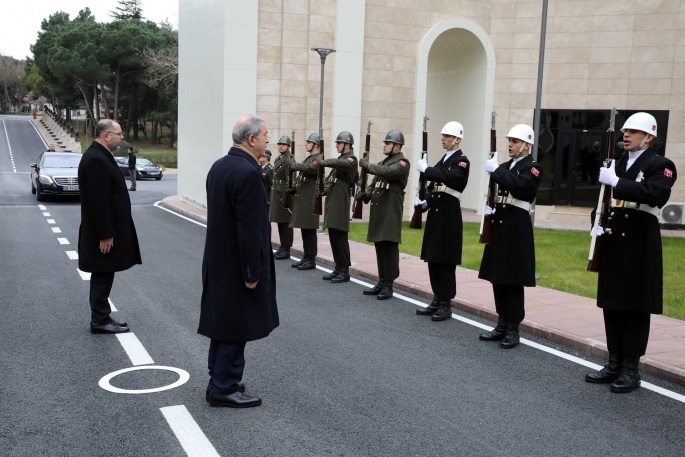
(144, 168)
(55, 173)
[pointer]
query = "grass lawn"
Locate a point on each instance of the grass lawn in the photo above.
(561, 261)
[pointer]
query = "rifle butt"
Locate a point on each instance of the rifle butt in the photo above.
(485, 234)
(417, 219)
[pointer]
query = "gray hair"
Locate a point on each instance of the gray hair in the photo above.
(103, 125)
(251, 126)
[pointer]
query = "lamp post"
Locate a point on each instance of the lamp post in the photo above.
(323, 53)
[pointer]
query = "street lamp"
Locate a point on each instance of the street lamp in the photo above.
(323, 53)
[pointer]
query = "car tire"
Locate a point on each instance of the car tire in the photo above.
(158, 178)
(39, 193)
(33, 189)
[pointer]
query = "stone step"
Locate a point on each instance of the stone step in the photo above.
(570, 214)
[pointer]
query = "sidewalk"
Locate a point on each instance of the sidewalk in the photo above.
(557, 316)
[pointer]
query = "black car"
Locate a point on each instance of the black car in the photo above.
(55, 173)
(144, 168)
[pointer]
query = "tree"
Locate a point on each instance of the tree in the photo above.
(128, 9)
(11, 81)
(161, 73)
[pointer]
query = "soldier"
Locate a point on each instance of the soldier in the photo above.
(277, 213)
(442, 239)
(630, 284)
(267, 173)
(336, 216)
(304, 189)
(386, 194)
(509, 259)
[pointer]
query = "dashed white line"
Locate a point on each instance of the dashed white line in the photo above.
(188, 433)
(46, 214)
(9, 145)
(63, 241)
(42, 207)
(56, 230)
(73, 255)
(111, 306)
(134, 349)
(84, 275)
(51, 221)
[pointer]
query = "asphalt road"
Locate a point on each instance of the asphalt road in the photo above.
(344, 374)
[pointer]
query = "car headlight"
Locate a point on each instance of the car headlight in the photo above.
(45, 179)
(140, 168)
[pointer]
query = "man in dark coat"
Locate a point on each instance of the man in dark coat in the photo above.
(132, 171)
(107, 240)
(238, 275)
(509, 259)
(442, 239)
(630, 285)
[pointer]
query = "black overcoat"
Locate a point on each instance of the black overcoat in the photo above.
(509, 258)
(630, 262)
(443, 235)
(237, 250)
(105, 214)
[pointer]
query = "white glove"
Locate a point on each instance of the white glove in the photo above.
(421, 165)
(491, 164)
(419, 202)
(599, 231)
(608, 175)
(489, 211)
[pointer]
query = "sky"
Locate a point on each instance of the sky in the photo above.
(20, 20)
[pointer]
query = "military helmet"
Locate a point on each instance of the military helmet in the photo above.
(314, 138)
(394, 136)
(345, 137)
(284, 140)
(267, 153)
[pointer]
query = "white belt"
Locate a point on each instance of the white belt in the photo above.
(448, 190)
(653, 210)
(512, 201)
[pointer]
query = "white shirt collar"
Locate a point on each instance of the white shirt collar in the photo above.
(513, 162)
(448, 154)
(633, 156)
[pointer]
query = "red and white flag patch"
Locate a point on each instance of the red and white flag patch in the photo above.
(668, 173)
(350, 159)
(315, 162)
(462, 164)
(535, 171)
(403, 163)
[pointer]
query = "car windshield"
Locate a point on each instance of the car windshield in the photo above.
(143, 162)
(61, 161)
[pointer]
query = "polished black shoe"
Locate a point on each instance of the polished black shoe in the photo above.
(629, 379)
(241, 388)
(132, 189)
(282, 255)
(609, 373)
(386, 293)
(120, 324)
(297, 264)
(108, 328)
(342, 276)
(307, 265)
(234, 400)
(511, 338)
(375, 290)
(496, 334)
(430, 309)
(331, 275)
(444, 313)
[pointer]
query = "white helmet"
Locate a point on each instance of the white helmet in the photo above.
(522, 132)
(454, 129)
(643, 122)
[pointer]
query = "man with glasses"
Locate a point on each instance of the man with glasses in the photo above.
(105, 218)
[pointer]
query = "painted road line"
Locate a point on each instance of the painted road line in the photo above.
(9, 146)
(39, 135)
(42, 207)
(73, 255)
(51, 221)
(159, 205)
(63, 241)
(134, 349)
(56, 230)
(84, 275)
(46, 214)
(188, 433)
(111, 305)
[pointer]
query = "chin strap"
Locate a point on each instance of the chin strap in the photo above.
(453, 143)
(644, 140)
(523, 145)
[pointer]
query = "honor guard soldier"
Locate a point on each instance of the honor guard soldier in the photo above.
(630, 284)
(277, 213)
(304, 189)
(442, 238)
(509, 258)
(386, 195)
(267, 173)
(336, 216)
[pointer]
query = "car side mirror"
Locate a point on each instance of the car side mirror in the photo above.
(34, 165)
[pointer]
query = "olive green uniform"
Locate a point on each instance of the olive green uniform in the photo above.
(277, 213)
(305, 187)
(268, 176)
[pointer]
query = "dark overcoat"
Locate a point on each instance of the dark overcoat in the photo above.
(336, 213)
(630, 262)
(105, 214)
(443, 235)
(306, 187)
(237, 250)
(277, 213)
(509, 258)
(268, 176)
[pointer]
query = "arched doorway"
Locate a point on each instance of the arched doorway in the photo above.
(455, 81)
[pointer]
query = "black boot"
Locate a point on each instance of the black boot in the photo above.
(297, 264)
(629, 379)
(386, 292)
(331, 275)
(444, 313)
(497, 333)
(282, 253)
(511, 338)
(375, 290)
(307, 265)
(609, 373)
(342, 276)
(431, 309)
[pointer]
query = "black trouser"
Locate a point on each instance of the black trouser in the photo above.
(443, 280)
(627, 332)
(133, 178)
(226, 364)
(285, 234)
(309, 243)
(100, 287)
(388, 260)
(509, 303)
(340, 247)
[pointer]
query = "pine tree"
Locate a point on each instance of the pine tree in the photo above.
(128, 9)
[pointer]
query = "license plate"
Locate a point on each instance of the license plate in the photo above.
(70, 188)
(153, 172)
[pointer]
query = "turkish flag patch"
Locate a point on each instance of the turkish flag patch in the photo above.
(668, 173)
(462, 164)
(535, 171)
(350, 159)
(315, 162)
(403, 163)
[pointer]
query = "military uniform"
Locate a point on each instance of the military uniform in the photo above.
(277, 213)
(268, 176)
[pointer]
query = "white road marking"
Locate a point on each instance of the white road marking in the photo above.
(50, 221)
(159, 205)
(111, 305)
(134, 349)
(46, 214)
(7, 137)
(541, 347)
(42, 207)
(104, 382)
(63, 240)
(189, 434)
(84, 275)
(73, 255)
(39, 135)
(56, 230)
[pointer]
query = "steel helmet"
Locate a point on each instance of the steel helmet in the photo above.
(643, 122)
(454, 129)
(522, 132)
(284, 140)
(314, 138)
(345, 137)
(394, 136)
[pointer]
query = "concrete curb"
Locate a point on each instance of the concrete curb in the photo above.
(586, 345)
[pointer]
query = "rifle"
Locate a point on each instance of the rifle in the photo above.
(361, 185)
(416, 219)
(486, 221)
(287, 202)
(318, 201)
(603, 204)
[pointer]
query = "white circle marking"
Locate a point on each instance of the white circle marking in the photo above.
(104, 382)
